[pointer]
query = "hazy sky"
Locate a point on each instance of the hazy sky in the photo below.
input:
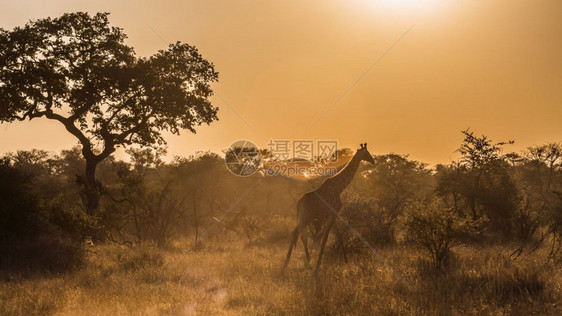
(493, 66)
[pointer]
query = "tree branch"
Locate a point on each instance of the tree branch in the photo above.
(72, 129)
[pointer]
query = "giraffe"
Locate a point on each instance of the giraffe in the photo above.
(321, 206)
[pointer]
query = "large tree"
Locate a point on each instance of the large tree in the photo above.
(76, 69)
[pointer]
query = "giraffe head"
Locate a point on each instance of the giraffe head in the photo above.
(364, 154)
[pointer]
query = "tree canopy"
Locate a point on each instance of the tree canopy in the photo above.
(77, 69)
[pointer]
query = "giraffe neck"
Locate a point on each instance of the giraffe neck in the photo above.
(338, 183)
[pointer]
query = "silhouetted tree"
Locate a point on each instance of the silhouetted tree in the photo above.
(540, 176)
(199, 177)
(479, 156)
(76, 69)
(481, 182)
(543, 165)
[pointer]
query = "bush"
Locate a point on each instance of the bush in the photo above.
(44, 253)
(19, 210)
(367, 219)
(526, 221)
(28, 241)
(437, 229)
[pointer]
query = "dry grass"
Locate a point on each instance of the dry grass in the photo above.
(226, 276)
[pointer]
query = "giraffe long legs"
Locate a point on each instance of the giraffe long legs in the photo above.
(305, 244)
(340, 239)
(324, 239)
(294, 238)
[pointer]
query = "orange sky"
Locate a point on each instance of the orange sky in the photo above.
(493, 66)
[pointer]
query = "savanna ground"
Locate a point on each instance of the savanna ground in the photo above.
(228, 274)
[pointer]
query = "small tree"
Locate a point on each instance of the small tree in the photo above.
(481, 183)
(541, 175)
(78, 71)
(480, 157)
(437, 229)
(393, 182)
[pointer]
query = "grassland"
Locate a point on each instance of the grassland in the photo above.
(228, 274)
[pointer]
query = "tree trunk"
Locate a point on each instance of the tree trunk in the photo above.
(90, 187)
(196, 219)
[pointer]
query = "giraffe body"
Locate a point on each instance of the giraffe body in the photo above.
(318, 209)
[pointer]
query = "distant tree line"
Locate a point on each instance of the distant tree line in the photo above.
(487, 195)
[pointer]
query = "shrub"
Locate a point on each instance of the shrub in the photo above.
(526, 220)
(28, 241)
(19, 208)
(44, 253)
(437, 229)
(364, 217)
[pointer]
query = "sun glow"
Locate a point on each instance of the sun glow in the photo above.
(405, 6)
